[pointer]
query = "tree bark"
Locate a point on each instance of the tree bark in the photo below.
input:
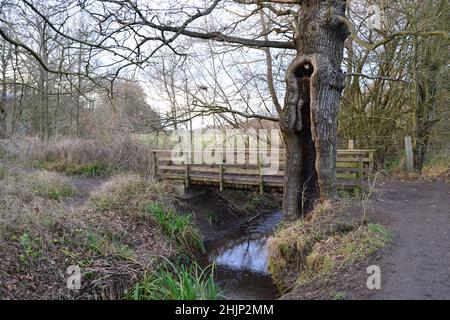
(309, 120)
(3, 115)
(3, 94)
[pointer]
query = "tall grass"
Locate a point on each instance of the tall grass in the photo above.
(94, 169)
(437, 167)
(178, 282)
(85, 157)
(179, 228)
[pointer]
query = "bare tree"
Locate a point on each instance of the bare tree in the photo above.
(129, 34)
(394, 91)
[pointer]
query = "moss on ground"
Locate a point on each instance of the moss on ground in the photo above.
(332, 240)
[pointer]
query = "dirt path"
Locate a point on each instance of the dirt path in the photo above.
(418, 264)
(85, 186)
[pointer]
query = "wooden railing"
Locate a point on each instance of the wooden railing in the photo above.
(354, 168)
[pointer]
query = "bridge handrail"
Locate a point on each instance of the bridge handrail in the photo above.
(342, 151)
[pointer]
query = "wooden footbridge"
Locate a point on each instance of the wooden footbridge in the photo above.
(353, 170)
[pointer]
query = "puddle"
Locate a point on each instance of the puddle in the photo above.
(241, 259)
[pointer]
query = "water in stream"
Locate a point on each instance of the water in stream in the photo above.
(242, 260)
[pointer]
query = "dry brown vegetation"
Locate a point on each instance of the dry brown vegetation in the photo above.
(437, 168)
(119, 229)
(84, 157)
(112, 237)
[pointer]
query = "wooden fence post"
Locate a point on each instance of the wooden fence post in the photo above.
(351, 145)
(261, 175)
(221, 170)
(372, 161)
(221, 177)
(409, 155)
(186, 160)
(155, 165)
(361, 173)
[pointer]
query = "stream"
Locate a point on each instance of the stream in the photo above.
(242, 260)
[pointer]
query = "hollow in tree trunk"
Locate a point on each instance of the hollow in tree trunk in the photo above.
(309, 120)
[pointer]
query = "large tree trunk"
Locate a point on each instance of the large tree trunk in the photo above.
(310, 117)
